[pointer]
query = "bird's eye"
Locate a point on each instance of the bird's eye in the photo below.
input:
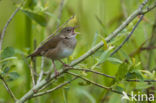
(66, 37)
(68, 30)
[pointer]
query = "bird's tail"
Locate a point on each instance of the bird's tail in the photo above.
(32, 55)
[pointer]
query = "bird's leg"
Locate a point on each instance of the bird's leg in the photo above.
(56, 72)
(66, 65)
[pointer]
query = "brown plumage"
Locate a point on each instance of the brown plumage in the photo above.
(60, 46)
(50, 44)
(54, 47)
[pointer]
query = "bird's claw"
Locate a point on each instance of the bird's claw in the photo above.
(56, 73)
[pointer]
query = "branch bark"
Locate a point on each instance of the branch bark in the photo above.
(8, 89)
(55, 88)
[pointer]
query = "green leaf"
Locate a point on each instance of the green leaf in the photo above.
(135, 74)
(126, 56)
(104, 41)
(7, 59)
(122, 71)
(143, 85)
(114, 60)
(6, 70)
(87, 95)
(54, 16)
(95, 39)
(40, 19)
(65, 94)
(13, 75)
(105, 55)
(118, 88)
(84, 83)
(7, 52)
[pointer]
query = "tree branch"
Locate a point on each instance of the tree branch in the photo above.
(102, 74)
(55, 88)
(87, 70)
(94, 83)
(93, 71)
(148, 8)
(8, 89)
(32, 73)
(42, 71)
(6, 25)
(34, 64)
(127, 38)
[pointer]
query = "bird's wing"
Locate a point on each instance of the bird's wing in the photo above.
(50, 44)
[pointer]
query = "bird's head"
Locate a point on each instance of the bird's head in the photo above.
(67, 32)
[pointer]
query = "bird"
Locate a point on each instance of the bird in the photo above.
(60, 46)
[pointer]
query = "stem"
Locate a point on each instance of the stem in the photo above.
(6, 25)
(55, 88)
(8, 89)
(127, 38)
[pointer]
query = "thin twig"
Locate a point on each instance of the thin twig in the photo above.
(143, 4)
(42, 71)
(8, 89)
(55, 88)
(100, 21)
(31, 69)
(112, 77)
(148, 9)
(32, 73)
(6, 25)
(94, 83)
(127, 38)
(131, 80)
(93, 71)
(34, 63)
(47, 85)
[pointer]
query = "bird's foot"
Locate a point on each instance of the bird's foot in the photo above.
(67, 66)
(56, 73)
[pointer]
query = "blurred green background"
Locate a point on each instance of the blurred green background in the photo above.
(96, 19)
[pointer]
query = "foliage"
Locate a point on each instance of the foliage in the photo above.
(36, 20)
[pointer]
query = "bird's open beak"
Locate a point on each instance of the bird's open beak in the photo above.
(76, 32)
(74, 29)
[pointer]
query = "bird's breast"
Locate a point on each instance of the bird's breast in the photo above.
(66, 48)
(65, 52)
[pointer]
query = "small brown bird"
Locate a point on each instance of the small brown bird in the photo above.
(60, 46)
